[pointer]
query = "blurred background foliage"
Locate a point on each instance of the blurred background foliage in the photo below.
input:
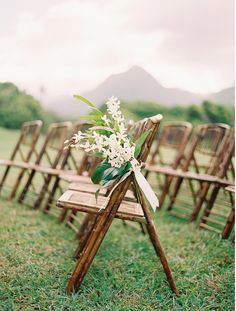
(17, 107)
(206, 112)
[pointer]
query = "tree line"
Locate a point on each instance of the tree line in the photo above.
(206, 112)
(17, 106)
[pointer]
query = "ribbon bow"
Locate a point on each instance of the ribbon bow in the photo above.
(142, 182)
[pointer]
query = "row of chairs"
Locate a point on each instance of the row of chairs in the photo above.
(202, 158)
(192, 168)
(201, 174)
(108, 207)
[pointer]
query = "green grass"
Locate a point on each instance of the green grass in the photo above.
(36, 263)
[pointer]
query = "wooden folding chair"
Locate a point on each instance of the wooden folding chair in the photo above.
(200, 164)
(75, 168)
(219, 213)
(169, 153)
(82, 182)
(109, 207)
(23, 151)
(47, 165)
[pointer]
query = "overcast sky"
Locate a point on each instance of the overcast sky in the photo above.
(71, 46)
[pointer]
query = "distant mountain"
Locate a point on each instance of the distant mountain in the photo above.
(134, 84)
(226, 96)
(138, 84)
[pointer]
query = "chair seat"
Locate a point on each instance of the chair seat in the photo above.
(92, 188)
(230, 189)
(5, 162)
(74, 178)
(31, 166)
(187, 174)
(86, 187)
(86, 202)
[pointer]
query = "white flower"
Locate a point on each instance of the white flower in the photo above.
(116, 148)
(105, 119)
(113, 106)
(77, 137)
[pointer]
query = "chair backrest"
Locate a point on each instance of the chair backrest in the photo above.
(53, 146)
(25, 146)
(171, 144)
(82, 164)
(206, 146)
(219, 211)
(148, 124)
(226, 165)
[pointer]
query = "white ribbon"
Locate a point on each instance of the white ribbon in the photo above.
(144, 185)
(142, 182)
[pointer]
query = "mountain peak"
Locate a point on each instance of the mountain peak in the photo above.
(136, 84)
(136, 68)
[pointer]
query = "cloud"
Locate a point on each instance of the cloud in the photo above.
(70, 46)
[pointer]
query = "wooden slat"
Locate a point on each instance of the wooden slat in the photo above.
(86, 187)
(92, 188)
(5, 162)
(69, 224)
(76, 218)
(217, 222)
(188, 175)
(213, 212)
(51, 212)
(82, 200)
(223, 204)
(230, 189)
(74, 178)
(202, 225)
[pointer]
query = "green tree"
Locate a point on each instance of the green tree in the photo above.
(216, 113)
(17, 107)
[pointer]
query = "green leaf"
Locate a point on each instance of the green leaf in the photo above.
(139, 142)
(95, 122)
(97, 194)
(91, 116)
(111, 174)
(87, 102)
(106, 184)
(99, 171)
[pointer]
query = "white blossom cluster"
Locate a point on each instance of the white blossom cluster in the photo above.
(116, 147)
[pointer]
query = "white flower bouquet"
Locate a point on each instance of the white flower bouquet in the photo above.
(108, 138)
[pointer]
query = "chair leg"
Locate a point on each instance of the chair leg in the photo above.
(63, 215)
(210, 204)
(26, 187)
(89, 219)
(4, 177)
(51, 195)
(142, 226)
(200, 201)
(165, 190)
(84, 233)
(160, 253)
(89, 251)
(229, 225)
(174, 194)
(155, 240)
(42, 192)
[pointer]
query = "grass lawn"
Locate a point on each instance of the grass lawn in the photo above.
(36, 262)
